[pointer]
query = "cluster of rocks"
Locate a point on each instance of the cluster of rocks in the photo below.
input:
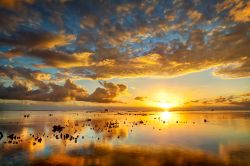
(26, 116)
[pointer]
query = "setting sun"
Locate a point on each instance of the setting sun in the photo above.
(165, 105)
(165, 100)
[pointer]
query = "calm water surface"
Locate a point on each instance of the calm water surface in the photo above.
(124, 138)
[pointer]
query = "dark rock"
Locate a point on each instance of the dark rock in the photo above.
(27, 116)
(1, 135)
(57, 128)
(39, 140)
(12, 136)
(66, 136)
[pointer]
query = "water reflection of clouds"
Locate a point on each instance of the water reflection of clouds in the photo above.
(104, 137)
(134, 155)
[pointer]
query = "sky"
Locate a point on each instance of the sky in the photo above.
(152, 53)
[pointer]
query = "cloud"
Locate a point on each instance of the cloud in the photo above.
(89, 22)
(27, 85)
(246, 94)
(53, 58)
(60, 59)
(42, 76)
(34, 77)
(107, 93)
(68, 92)
(241, 12)
(197, 54)
(140, 98)
(194, 15)
(245, 102)
(239, 99)
(15, 4)
(129, 39)
(37, 39)
(235, 70)
(192, 101)
(11, 20)
(219, 52)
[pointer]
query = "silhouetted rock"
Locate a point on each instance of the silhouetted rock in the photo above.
(27, 116)
(12, 136)
(66, 136)
(57, 128)
(1, 135)
(205, 120)
(106, 110)
(39, 140)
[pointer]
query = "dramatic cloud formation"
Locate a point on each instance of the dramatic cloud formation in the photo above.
(24, 89)
(68, 92)
(24, 75)
(107, 93)
(28, 40)
(130, 39)
(77, 40)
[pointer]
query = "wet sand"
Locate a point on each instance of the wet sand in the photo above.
(124, 138)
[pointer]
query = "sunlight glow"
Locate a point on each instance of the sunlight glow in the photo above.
(164, 100)
(165, 115)
(165, 105)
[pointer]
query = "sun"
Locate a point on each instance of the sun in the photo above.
(165, 105)
(163, 100)
(166, 100)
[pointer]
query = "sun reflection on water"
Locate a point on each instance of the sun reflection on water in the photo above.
(166, 115)
(120, 131)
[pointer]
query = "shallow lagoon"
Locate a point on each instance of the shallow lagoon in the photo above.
(125, 138)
